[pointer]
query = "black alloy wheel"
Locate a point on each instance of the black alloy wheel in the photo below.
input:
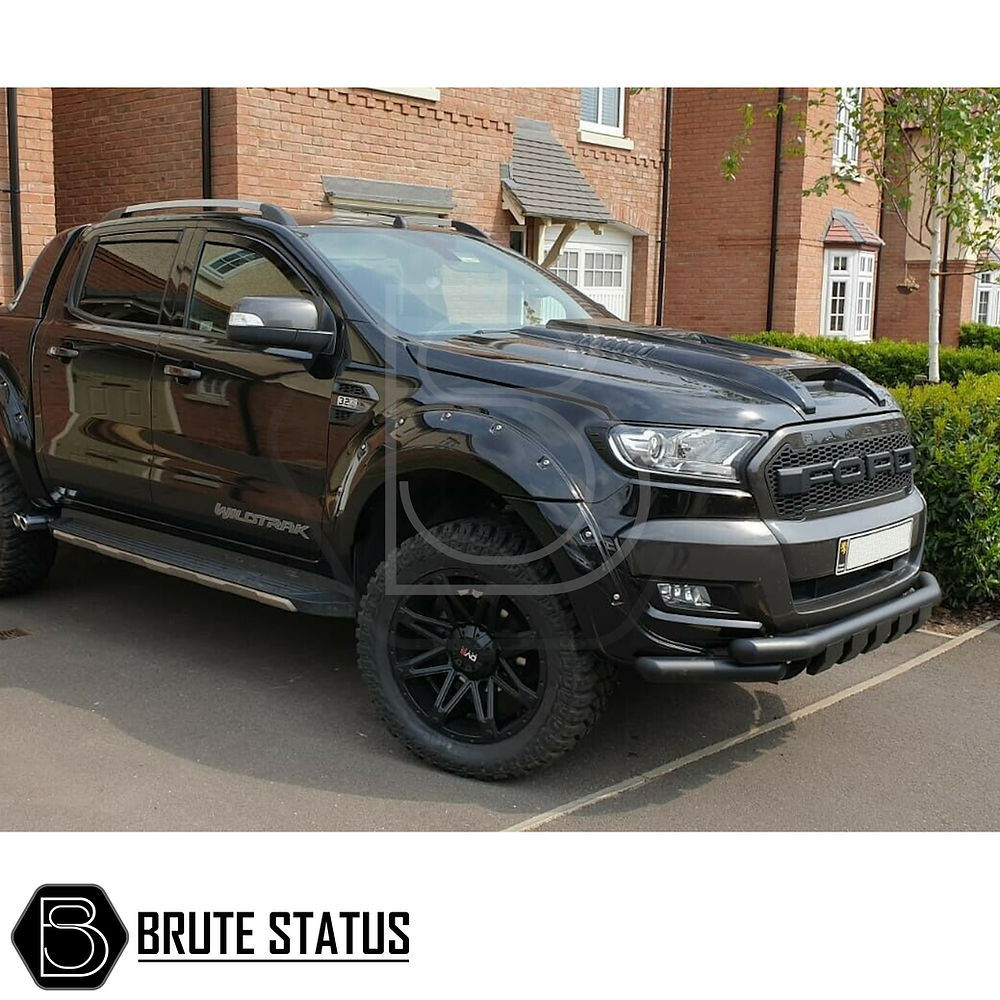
(477, 666)
(469, 662)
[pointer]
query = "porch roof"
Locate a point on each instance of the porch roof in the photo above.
(846, 228)
(542, 180)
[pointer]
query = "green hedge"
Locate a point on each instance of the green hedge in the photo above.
(888, 362)
(979, 335)
(956, 432)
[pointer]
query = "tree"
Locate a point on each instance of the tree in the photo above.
(934, 153)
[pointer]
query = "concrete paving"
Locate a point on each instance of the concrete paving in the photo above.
(140, 702)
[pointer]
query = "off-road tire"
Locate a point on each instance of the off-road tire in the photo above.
(25, 556)
(578, 682)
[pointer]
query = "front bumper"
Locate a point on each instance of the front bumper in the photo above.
(777, 605)
(773, 658)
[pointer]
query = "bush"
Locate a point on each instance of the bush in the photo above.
(888, 362)
(956, 433)
(979, 335)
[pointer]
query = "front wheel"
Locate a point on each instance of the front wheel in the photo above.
(471, 663)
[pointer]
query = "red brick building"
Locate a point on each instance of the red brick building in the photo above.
(574, 177)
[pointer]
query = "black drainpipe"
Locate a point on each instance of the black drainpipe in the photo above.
(14, 166)
(206, 142)
(775, 191)
(661, 268)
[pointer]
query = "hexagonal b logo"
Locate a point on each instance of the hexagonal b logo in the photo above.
(69, 937)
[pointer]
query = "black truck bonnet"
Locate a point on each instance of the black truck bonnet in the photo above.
(641, 374)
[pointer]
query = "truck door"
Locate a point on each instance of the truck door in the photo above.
(93, 361)
(240, 451)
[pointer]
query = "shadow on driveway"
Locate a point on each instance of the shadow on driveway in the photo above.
(253, 691)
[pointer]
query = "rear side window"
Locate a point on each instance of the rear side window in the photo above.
(126, 279)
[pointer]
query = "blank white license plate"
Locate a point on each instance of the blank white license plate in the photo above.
(870, 547)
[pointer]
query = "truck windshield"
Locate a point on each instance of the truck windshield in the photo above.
(427, 283)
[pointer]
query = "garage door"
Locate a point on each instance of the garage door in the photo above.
(599, 265)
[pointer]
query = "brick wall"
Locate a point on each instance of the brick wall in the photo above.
(861, 199)
(115, 146)
(34, 126)
(287, 139)
(718, 244)
(718, 230)
(904, 316)
(6, 263)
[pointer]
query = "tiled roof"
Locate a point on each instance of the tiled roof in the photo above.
(844, 227)
(544, 179)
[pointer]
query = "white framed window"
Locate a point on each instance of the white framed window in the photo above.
(849, 293)
(602, 270)
(567, 267)
(423, 93)
(846, 134)
(602, 109)
(987, 308)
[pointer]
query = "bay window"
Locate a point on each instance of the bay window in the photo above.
(849, 293)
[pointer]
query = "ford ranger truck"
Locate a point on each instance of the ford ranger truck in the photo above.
(515, 494)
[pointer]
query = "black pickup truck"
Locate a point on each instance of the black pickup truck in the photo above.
(514, 493)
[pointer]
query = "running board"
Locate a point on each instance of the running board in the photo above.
(247, 576)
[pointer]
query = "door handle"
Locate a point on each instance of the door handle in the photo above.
(63, 352)
(182, 374)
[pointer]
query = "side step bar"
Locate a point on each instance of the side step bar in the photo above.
(233, 572)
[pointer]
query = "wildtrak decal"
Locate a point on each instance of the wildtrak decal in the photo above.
(261, 520)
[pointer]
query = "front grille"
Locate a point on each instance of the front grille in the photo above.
(826, 497)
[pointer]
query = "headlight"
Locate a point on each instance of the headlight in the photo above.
(699, 452)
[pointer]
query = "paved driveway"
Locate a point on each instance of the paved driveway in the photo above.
(140, 702)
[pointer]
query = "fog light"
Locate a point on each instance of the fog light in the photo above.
(685, 595)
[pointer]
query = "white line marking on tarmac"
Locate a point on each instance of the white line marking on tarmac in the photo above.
(630, 784)
(931, 631)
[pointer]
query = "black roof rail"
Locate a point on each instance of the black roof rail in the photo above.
(400, 221)
(269, 212)
(468, 229)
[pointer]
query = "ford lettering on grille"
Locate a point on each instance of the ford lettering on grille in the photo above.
(844, 471)
(813, 471)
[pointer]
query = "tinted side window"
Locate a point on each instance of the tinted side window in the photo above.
(126, 279)
(227, 272)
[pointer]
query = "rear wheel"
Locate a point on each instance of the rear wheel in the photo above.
(25, 557)
(473, 666)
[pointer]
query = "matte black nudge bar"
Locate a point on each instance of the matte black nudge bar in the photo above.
(767, 658)
(270, 212)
